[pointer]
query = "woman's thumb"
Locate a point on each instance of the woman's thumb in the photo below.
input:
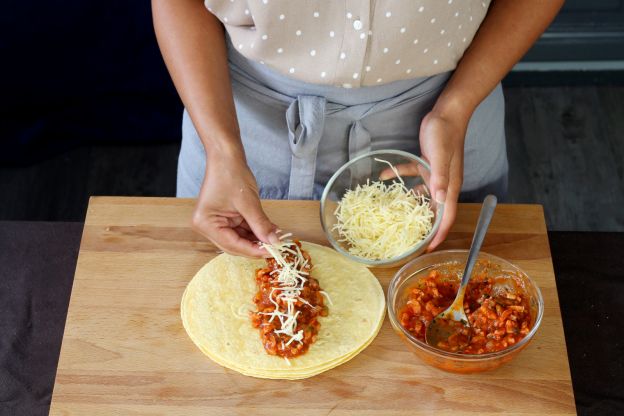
(259, 223)
(439, 180)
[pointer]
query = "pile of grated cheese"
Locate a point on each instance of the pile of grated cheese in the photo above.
(379, 221)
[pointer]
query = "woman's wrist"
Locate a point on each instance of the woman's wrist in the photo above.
(226, 147)
(454, 106)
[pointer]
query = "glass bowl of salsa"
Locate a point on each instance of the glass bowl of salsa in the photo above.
(504, 307)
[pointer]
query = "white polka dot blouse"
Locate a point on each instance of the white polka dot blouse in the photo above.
(352, 43)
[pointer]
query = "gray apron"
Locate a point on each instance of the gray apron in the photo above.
(296, 135)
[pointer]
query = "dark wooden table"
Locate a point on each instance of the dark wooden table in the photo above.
(37, 262)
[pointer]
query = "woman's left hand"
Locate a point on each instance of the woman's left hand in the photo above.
(442, 145)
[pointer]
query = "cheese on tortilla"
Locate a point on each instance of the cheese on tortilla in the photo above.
(291, 280)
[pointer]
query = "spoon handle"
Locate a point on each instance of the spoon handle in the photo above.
(487, 210)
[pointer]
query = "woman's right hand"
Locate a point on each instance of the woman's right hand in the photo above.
(228, 210)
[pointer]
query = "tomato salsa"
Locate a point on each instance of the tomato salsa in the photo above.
(497, 308)
(288, 310)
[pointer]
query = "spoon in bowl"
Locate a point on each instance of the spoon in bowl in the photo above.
(450, 330)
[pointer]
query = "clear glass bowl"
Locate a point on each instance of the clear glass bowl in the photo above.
(418, 269)
(357, 172)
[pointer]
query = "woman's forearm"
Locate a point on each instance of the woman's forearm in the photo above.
(192, 43)
(508, 31)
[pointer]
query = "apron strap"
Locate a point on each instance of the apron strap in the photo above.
(359, 144)
(359, 140)
(305, 119)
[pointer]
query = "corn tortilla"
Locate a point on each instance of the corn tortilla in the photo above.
(215, 313)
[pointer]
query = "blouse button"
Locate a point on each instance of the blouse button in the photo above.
(357, 25)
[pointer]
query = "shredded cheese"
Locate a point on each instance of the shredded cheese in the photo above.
(326, 295)
(290, 278)
(379, 221)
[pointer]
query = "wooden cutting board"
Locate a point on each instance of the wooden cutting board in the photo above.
(125, 350)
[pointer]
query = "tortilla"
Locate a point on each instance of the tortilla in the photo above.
(216, 304)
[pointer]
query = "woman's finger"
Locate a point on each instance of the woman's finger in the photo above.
(450, 198)
(217, 230)
(404, 169)
(234, 222)
(440, 175)
(448, 218)
(230, 242)
(241, 227)
(260, 225)
(244, 233)
(246, 226)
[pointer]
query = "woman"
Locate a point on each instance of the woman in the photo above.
(315, 83)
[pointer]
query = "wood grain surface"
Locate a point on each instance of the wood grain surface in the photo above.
(125, 351)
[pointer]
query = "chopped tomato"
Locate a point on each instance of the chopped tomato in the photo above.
(499, 318)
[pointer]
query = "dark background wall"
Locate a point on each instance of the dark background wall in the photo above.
(586, 34)
(87, 108)
(76, 72)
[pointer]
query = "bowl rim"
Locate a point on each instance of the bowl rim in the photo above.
(439, 212)
(392, 291)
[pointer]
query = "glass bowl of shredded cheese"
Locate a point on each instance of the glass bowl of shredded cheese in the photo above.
(377, 208)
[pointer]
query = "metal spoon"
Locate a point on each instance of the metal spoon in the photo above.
(453, 321)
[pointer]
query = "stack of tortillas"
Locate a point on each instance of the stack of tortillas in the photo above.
(217, 302)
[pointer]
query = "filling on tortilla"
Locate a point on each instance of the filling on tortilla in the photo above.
(289, 301)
